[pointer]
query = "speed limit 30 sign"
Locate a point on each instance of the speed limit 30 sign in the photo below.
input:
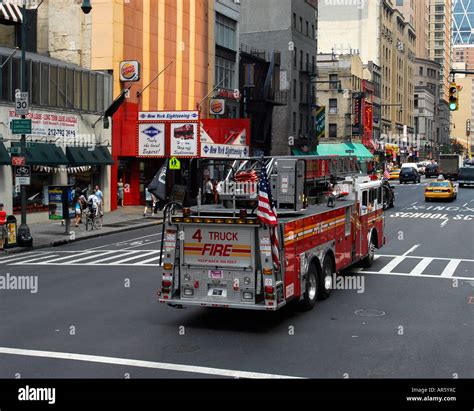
(21, 103)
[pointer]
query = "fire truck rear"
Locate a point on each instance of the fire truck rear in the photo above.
(330, 217)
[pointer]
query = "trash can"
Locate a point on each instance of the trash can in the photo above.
(11, 228)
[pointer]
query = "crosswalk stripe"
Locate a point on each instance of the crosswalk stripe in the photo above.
(116, 256)
(55, 260)
(22, 257)
(150, 260)
(450, 268)
(88, 257)
(15, 257)
(135, 257)
(44, 257)
(421, 266)
(392, 264)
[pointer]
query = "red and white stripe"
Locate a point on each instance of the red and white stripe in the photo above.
(266, 213)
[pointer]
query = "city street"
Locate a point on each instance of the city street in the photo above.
(95, 312)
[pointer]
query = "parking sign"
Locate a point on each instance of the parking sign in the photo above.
(21, 104)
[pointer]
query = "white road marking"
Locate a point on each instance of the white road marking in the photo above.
(88, 257)
(465, 205)
(411, 250)
(417, 257)
(7, 257)
(415, 203)
(147, 243)
(150, 260)
(140, 364)
(421, 266)
(16, 257)
(135, 257)
(359, 271)
(444, 223)
(124, 242)
(391, 265)
(44, 257)
(55, 260)
(450, 268)
(115, 256)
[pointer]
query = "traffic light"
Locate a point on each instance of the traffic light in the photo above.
(453, 97)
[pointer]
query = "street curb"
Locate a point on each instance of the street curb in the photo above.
(67, 241)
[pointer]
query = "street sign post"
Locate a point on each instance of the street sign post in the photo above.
(21, 104)
(23, 175)
(22, 126)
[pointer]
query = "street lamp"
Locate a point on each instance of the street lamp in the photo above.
(24, 235)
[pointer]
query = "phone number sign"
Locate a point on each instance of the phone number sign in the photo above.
(51, 124)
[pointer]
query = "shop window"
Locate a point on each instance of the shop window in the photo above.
(62, 87)
(5, 75)
(36, 193)
(77, 90)
(70, 88)
(92, 92)
(53, 86)
(44, 84)
(36, 86)
(85, 91)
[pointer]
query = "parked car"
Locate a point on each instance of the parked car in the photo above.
(408, 174)
(431, 171)
(441, 190)
(421, 168)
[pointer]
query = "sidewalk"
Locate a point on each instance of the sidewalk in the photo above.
(53, 234)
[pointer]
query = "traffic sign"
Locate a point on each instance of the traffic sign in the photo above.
(23, 175)
(14, 150)
(22, 126)
(21, 104)
(18, 161)
(175, 164)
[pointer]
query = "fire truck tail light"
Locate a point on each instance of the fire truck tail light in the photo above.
(167, 266)
(269, 289)
(219, 220)
(197, 220)
(166, 284)
(188, 220)
(196, 284)
(229, 221)
(267, 271)
(240, 221)
(208, 220)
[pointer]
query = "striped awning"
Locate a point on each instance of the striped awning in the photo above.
(10, 12)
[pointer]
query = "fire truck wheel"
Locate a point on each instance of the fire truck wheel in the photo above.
(369, 260)
(326, 279)
(311, 292)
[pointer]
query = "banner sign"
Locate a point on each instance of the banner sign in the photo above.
(225, 138)
(50, 124)
(151, 140)
(320, 120)
(168, 134)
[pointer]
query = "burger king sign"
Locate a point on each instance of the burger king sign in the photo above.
(129, 70)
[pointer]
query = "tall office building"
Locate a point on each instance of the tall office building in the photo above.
(441, 20)
(463, 22)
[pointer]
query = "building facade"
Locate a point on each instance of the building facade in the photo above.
(440, 44)
(292, 23)
(68, 145)
(463, 22)
(379, 34)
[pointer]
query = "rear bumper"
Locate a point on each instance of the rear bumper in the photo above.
(439, 195)
(209, 304)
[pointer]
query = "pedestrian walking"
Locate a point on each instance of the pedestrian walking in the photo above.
(100, 196)
(208, 191)
(120, 192)
(3, 226)
(150, 202)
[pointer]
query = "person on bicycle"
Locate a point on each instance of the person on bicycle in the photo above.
(93, 205)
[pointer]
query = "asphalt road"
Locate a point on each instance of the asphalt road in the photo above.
(95, 314)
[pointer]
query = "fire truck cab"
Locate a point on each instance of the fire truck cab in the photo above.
(330, 217)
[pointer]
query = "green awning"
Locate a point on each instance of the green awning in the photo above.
(84, 156)
(42, 154)
(339, 149)
(4, 156)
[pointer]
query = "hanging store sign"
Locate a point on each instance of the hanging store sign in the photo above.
(217, 107)
(130, 70)
(184, 140)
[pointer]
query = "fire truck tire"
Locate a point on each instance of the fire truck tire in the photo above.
(326, 279)
(369, 260)
(311, 290)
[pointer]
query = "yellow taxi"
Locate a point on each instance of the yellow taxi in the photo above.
(445, 190)
(395, 174)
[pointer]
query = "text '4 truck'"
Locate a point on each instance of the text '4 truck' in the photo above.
(328, 217)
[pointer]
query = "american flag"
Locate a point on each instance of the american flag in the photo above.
(267, 214)
(386, 174)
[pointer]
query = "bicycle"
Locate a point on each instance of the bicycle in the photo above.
(93, 220)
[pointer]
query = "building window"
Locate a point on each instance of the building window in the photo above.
(295, 89)
(307, 29)
(301, 24)
(294, 21)
(301, 124)
(332, 106)
(332, 130)
(333, 78)
(225, 73)
(421, 71)
(301, 59)
(301, 91)
(294, 122)
(226, 32)
(295, 58)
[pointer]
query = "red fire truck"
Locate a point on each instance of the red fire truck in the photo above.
(330, 217)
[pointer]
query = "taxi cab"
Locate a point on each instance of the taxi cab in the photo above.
(441, 189)
(395, 174)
